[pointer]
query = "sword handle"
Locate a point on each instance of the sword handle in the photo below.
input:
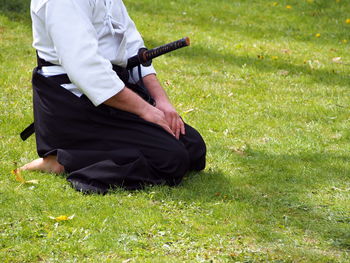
(145, 56)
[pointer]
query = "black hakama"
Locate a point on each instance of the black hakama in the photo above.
(103, 147)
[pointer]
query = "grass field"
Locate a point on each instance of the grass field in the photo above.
(265, 82)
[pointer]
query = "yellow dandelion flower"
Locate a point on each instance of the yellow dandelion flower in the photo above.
(62, 218)
(347, 21)
(274, 57)
(318, 35)
(344, 41)
(289, 7)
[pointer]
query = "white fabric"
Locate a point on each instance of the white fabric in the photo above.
(57, 70)
(84, 37)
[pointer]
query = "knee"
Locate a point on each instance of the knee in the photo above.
(178, 160)
(173, 164)
(198, 159)
(196, 148)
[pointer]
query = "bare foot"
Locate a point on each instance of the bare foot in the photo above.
(47, 164)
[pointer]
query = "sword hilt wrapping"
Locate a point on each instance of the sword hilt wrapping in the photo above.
(145, 56)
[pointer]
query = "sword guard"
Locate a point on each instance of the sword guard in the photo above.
(142, 55)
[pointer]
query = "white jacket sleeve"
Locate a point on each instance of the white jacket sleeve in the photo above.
(75, 41)
(135, 42)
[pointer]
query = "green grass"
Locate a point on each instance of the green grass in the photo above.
(274, 110)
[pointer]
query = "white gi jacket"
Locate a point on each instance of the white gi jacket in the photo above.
(85, 37)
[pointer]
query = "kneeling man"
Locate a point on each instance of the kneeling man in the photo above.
(103, 131)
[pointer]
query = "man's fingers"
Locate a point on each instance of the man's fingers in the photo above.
(169, 120)
(167, 128)
(177, 132)
(182, 127)
(165, 125)
(157, 117)
(173, 125)
(177, 126)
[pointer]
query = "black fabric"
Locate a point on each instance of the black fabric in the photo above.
(102, 147)
(60, 79)
(42, 63)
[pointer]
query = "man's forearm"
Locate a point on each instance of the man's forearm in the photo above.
(129, 101)
(155, 89)
(162, 103)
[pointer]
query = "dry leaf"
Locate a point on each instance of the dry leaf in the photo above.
(19, 177)
(286, 51)
(266, 139)
(239, 151)
(187, 111)
(32, 182)
(339, 189)
(314, 64)
(337, 60)
(168, 83)
(283, 72)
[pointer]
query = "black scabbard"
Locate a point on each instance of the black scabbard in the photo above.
(144, 56)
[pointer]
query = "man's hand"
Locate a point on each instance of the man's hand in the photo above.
(173, 119)
(162, 103)
(129, 101)
(156, 116)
